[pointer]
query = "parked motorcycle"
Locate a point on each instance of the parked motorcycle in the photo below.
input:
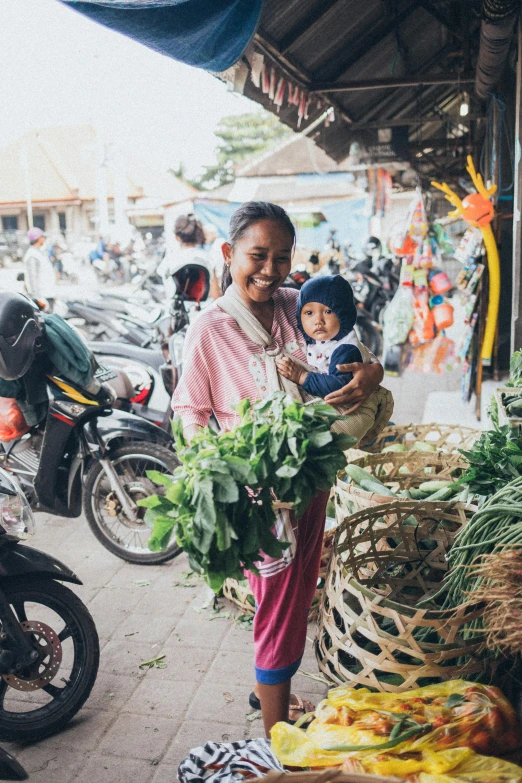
(83, 437)
(49, 648)
(145, 379)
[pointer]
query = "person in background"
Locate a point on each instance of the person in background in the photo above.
(189, 250)
(55, 256)
(213, 245)
(40, 277)
(374, 263)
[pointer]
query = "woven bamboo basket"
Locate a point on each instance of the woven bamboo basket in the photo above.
(371, 631)
(397, 471)
(444, 437)
(240, 594)
(323, 776)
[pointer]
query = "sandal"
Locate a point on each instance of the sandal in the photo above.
(297, 704)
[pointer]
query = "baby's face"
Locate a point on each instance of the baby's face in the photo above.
(319, 322)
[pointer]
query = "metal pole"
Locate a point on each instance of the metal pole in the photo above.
(516, 324)
(24, 163)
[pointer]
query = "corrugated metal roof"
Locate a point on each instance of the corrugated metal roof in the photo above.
(324, 43)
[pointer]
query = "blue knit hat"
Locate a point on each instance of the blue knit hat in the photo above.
(336, 293)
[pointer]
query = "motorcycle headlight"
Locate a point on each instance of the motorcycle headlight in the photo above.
(16, 516)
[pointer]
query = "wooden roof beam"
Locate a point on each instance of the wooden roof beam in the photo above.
(354, 53)
(440, 17)
(385, 84)
(303, 28)
(385, 102)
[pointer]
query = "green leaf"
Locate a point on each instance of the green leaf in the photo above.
(287, 471)
(159, 478)
(151, 502)
(176, 493)
(320, 439)
(225, 489)
(161, 533)
(454, 700)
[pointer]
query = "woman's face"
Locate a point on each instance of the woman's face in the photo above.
(260, 260)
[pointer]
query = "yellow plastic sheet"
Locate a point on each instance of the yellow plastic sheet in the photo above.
(428, 735)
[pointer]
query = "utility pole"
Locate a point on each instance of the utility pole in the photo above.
(102, 207)
(24, 163)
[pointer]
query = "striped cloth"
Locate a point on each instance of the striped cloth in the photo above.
(223, 366)
(230, 762)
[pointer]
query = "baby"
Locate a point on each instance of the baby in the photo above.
(326, 315)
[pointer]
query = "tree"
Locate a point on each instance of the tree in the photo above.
(241, 136)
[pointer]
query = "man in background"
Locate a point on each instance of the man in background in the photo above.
(40, 277)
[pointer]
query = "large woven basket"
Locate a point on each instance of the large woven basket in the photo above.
(400, 471)
(323, 776)
(444, 437)
(371, 631)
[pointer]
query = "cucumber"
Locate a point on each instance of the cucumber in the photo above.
(371, 486)
(434, 486)
(357, 474)
(441, 494)
(421, 445)
(398, 447)
(416, 494)
(405, 493)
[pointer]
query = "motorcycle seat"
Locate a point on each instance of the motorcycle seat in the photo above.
(148, 356)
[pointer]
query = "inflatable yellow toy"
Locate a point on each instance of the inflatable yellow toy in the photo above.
(478, 211)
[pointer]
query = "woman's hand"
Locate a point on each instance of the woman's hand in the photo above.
(290, 369)
(366, 379)
(189, 431)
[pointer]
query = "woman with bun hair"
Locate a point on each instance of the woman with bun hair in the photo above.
(189, 250)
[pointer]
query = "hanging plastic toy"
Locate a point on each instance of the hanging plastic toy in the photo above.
(477, 210)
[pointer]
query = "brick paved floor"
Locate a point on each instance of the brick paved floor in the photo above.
(138, 725)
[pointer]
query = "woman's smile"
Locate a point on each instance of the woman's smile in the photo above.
(264, 283)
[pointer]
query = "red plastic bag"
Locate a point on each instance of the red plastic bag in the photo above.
(12, 422)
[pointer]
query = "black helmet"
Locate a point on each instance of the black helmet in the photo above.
(20, 334)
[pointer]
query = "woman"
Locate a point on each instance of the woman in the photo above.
(190, 250)
(222, 366)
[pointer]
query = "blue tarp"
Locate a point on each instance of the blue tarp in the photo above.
(351, 220)
(209, 34)
(216, 212)
(348, 217)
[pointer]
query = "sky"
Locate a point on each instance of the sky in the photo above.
(59, 68)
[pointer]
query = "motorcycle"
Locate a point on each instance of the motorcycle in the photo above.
(145, 379)
(88, 456)
(49, 647)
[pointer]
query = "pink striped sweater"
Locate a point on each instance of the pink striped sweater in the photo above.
(223, 366)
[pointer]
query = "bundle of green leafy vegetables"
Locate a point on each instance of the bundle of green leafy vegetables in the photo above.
(218, 503)
(494, 460)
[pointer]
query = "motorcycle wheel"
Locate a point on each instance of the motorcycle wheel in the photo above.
(64, 631)
(107, 521)
(370, 336)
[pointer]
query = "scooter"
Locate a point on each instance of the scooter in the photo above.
(49, 647)
(89, 457)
